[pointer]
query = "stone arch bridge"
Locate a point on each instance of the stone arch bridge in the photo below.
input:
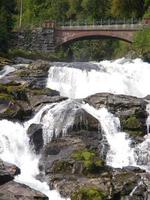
(49, 37)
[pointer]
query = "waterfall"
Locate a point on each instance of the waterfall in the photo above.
(15, 149)
(59, 119)
(6, 70)
(128, 77)
(120, 154)
(79, 80)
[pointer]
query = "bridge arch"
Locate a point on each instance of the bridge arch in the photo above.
(64, 37)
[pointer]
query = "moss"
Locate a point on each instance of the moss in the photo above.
(91, 161)
(19, 92)
(4, 61)
(11, 91)
(5, 97)
(40, 91)
(9, 111)
(136, 133)
(22, 73)
(87, 193)
(131, 122)
(62, 166)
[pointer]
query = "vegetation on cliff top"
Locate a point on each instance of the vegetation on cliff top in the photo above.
(35, 12)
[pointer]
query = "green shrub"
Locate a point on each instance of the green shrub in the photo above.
(87, 193)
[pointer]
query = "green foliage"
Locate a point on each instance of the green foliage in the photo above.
(128, 8)
(94, 49)
(7, 9)
(132, 123)
(11, 92)
(142, 43)
(35, 12)
(122, 48)
(59, 55)
(87, 193)
(91, 161)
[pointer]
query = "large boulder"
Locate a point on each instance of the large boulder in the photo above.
(7, 172)
(15, 191)
(35, 74)
(19, 102)
(35, 133)
(84, 121)
(130, 110)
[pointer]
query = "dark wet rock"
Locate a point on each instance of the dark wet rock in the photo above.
(38, 97)
(18, 102)
(85, 121)
(7, 172)
(35, 74)
(72, 161)
(133, 169)
(130, 110)
(15, 191)
(121, 181)
(35, 133)
(20, 60)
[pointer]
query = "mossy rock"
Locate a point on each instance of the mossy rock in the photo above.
(91, 161)
(17, 92)
(136, 133)
(62, 166)
(131, 123)
(5, 97)
(45, 91)
(4, 61)
(86, 193)
(125, 182)
(23, 73)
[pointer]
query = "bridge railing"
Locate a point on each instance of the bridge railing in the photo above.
(101, 22)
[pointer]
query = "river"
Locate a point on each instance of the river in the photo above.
(77, 81)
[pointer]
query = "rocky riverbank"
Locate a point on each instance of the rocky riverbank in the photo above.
(9, 189)
(74, 164)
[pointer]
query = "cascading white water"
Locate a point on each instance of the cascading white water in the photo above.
(120, 153)
(58, 119)
(6, 70)
(118, 77)
(129, 77)
(14, 148)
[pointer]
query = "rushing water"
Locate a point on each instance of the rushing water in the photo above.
(120, 153)
(6, 70)
(78, 80)
(14, 148)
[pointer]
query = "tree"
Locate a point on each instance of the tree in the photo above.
(7, 9)
(128, 8)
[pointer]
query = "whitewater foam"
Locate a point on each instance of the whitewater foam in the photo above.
(129, 77)
(6, 70)
(15, 149)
